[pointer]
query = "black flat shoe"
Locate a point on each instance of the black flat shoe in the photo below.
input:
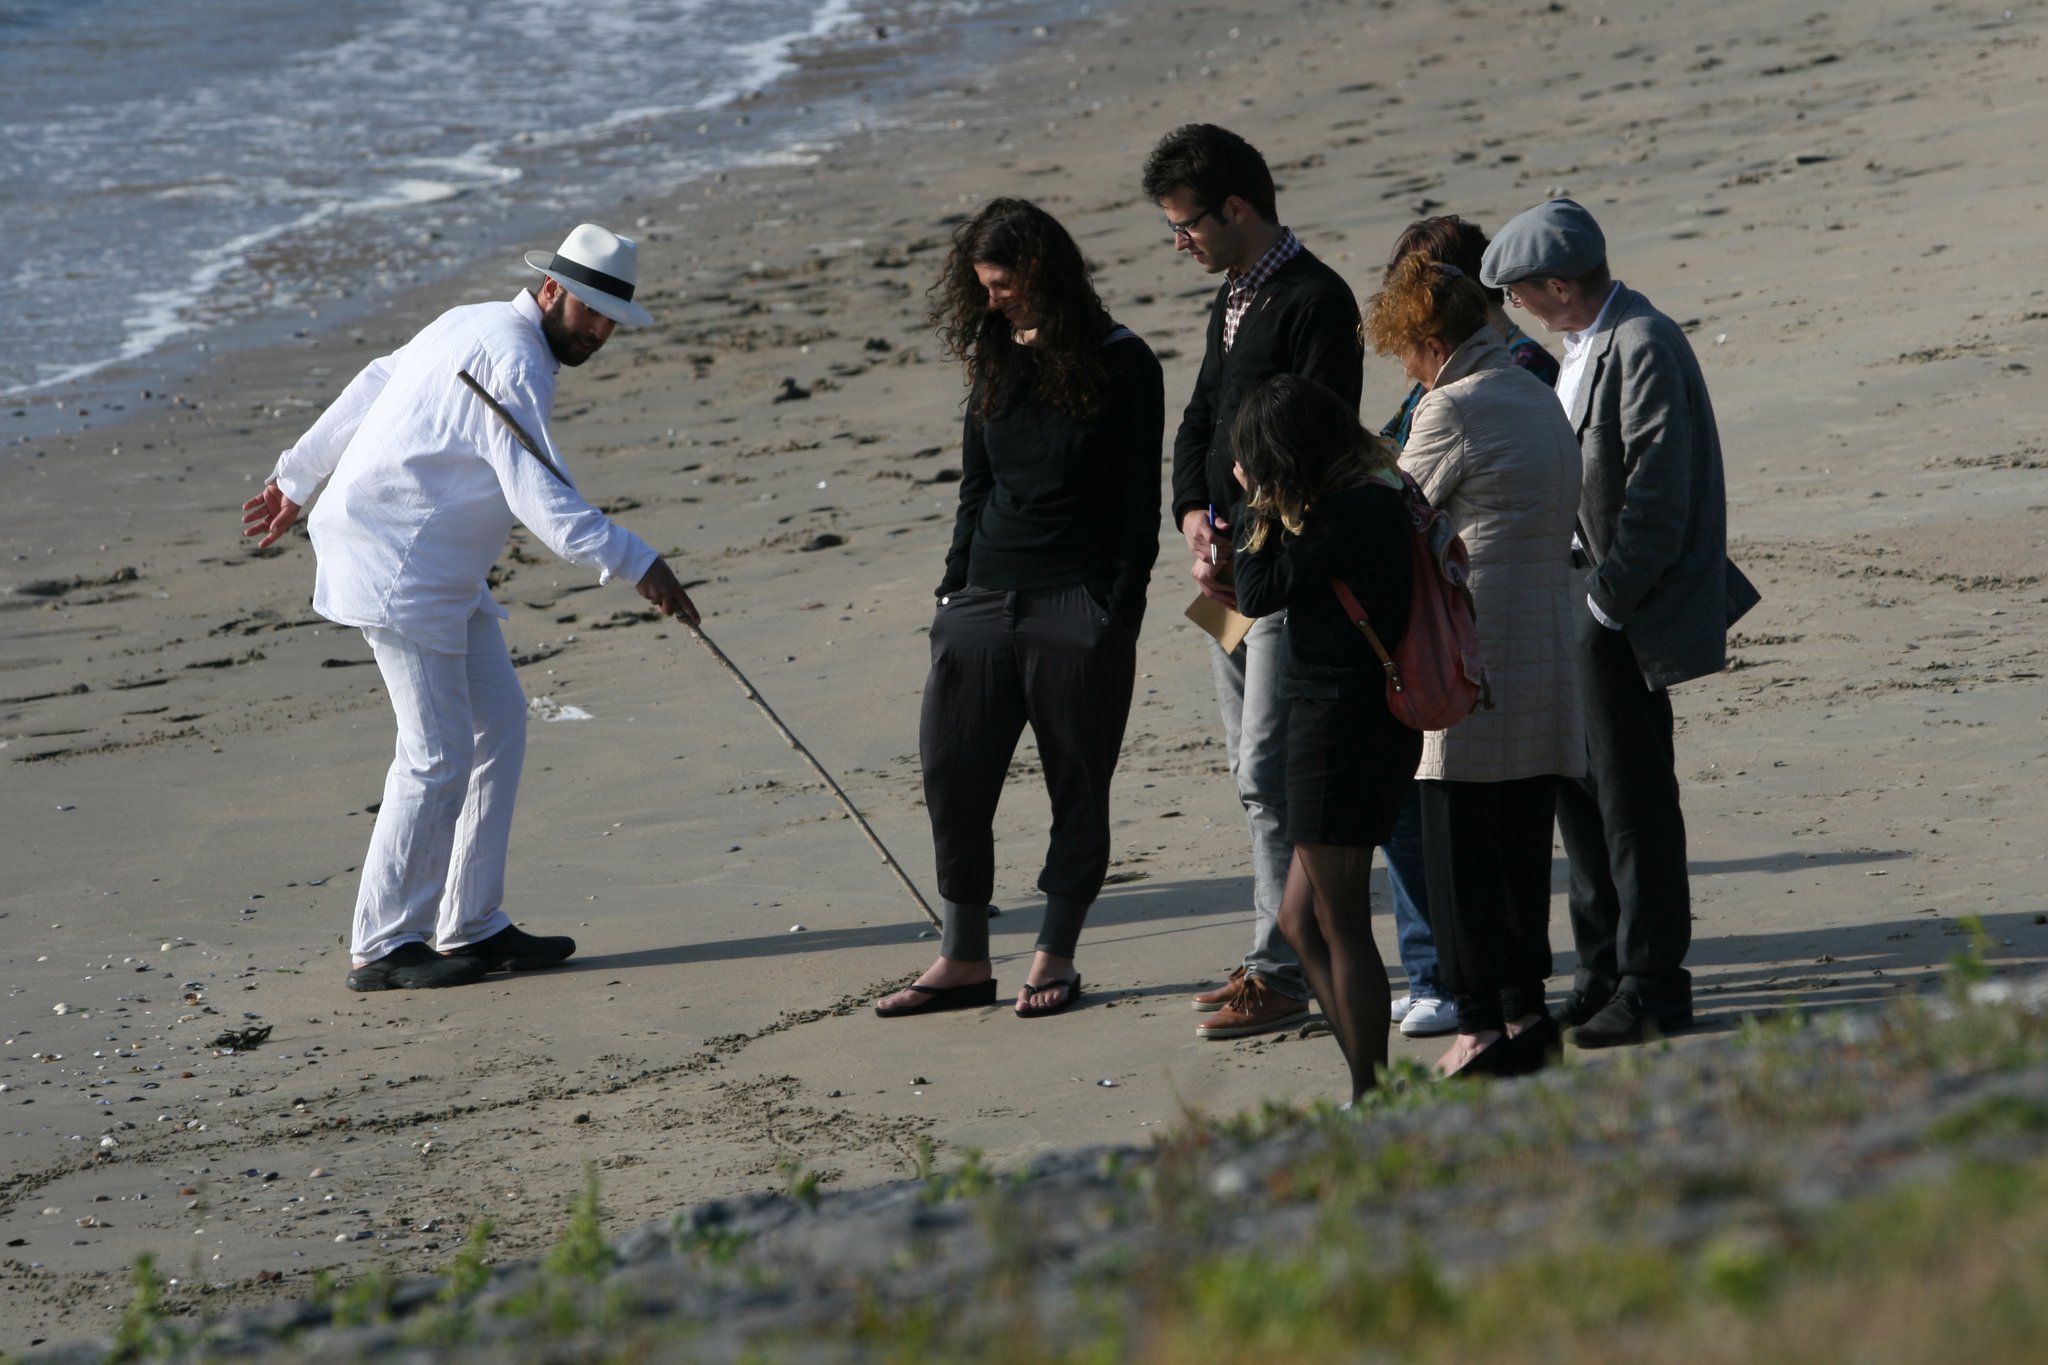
(512, 949)
(939, 998)
(1072, 992)
(1535, 1047)
(414, 967)
(1493, 1061)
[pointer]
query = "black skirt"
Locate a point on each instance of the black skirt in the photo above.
(1349, 764)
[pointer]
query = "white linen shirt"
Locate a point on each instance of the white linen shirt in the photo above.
(1578, 349)
(425, 482)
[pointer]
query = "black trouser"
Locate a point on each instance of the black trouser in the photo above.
(1486, 856)
(1052, 658)
(1631, 901)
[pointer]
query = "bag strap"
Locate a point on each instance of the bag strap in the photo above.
(1358, 618)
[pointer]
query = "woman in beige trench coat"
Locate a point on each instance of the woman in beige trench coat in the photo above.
(1491, 447)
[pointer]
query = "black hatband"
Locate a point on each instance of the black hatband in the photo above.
(596, 279)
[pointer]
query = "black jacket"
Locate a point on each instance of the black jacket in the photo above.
(1360, 535)
(1302, 321)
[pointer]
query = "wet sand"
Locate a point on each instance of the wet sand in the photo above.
(1839, 204)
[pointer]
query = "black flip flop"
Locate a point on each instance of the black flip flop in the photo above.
(938, 998)
(1073, 988)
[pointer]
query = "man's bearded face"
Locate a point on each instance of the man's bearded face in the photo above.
(574, 332)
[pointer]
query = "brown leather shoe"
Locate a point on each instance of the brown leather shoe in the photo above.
(1256, 1008)
(1208, 1002)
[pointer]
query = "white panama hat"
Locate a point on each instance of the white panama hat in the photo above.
(597, 266)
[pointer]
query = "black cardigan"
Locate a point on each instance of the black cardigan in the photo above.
(1302, 321)
(1048, 500)
(1360, 535)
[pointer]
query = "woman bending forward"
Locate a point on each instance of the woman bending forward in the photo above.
(1322, 504)
(1491, 446)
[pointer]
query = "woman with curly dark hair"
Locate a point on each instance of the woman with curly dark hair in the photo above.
(1044, 587)
(1323, 511)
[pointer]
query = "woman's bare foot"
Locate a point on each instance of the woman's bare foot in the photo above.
(1051, 975)
(942, 973)
(1518, 1027)
(1464, 1048)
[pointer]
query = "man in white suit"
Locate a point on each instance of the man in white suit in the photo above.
(424, 482)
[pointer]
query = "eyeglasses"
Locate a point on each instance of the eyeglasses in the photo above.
(1183, 231)
(1518, 299)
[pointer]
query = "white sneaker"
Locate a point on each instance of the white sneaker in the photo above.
(1402, 1004)
(1428, 1016)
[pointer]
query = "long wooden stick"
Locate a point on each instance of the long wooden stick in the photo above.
(817, 767)
(753, 694)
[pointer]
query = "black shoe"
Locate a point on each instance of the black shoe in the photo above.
(512, 949)
(1579, 1007)
(1627, 1020)
(1495, 1060)
(414, 967)
(1535, 1047)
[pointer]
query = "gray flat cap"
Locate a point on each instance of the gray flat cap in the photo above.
(1558, 239)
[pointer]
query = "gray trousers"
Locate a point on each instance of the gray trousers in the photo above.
(1255, 733)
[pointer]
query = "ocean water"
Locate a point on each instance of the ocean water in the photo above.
(173, 168)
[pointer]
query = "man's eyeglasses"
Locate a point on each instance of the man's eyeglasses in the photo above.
(1183, 231)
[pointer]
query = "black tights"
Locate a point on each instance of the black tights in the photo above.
(1325, 912)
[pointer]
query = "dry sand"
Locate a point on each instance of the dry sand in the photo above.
(1841, 203)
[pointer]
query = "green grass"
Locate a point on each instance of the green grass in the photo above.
(1580, 1216)
(146, 1331)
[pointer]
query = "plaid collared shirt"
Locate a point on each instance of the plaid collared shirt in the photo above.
(1244, 288)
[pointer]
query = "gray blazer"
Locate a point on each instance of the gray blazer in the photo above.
(1652, 506)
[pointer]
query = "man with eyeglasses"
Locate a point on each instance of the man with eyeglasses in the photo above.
(1659, 596)
(1279, 311)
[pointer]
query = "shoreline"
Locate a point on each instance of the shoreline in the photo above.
(1861, 778)
(825, 82)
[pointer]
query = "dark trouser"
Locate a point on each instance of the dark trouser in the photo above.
(1051, 658)
(1486, 849)
(1624, 833)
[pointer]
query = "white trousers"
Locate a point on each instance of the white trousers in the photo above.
(435, 872)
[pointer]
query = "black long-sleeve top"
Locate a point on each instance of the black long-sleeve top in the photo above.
(1048, 500)
(1360, 535)
(1302, 321)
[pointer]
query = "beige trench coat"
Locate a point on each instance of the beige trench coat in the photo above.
(1491, 446)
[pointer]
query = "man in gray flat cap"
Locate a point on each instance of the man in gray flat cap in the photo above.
(1659, 597)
